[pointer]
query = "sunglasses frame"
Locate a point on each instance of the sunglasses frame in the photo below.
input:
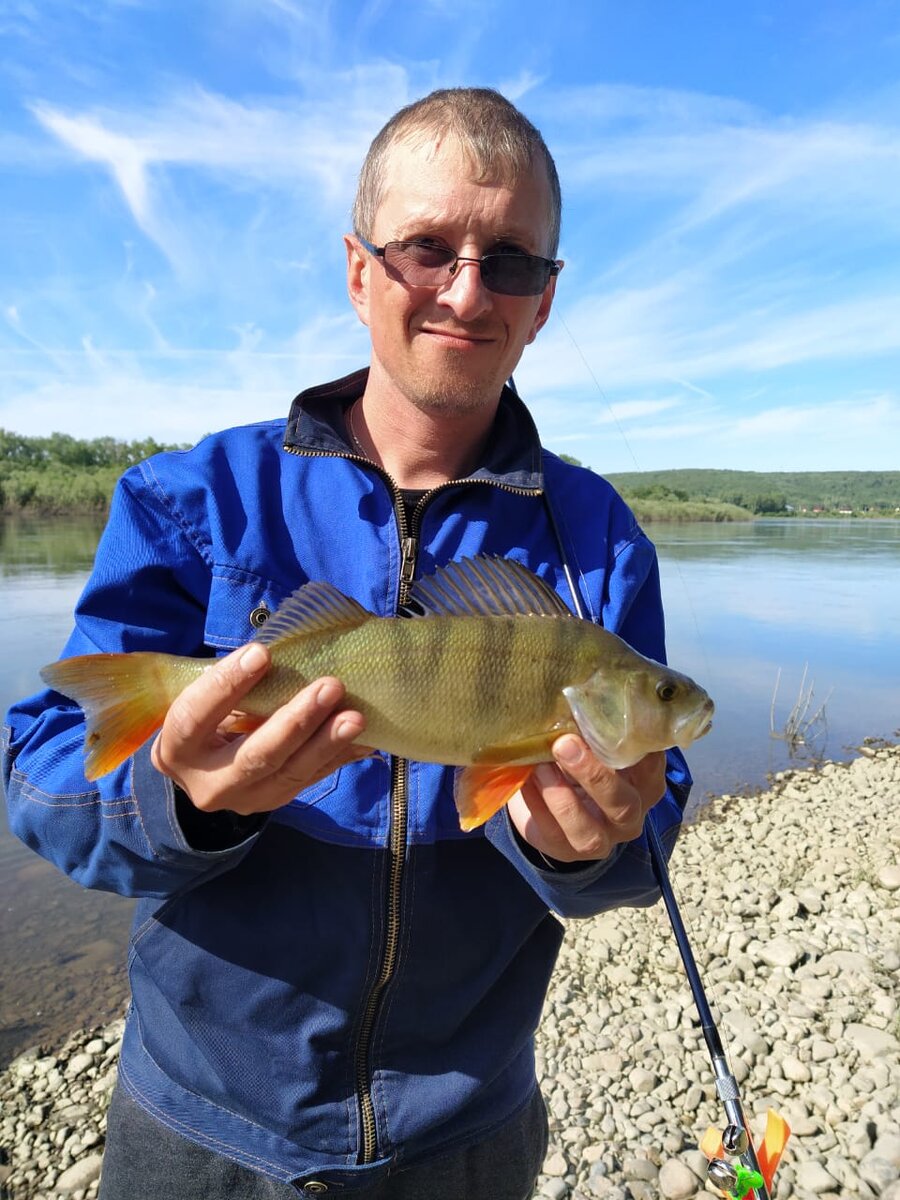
(552, 266)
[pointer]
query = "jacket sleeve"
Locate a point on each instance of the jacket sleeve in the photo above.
(149, 590)
(633, 609)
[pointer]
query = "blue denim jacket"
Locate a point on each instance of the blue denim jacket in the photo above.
(352, 980)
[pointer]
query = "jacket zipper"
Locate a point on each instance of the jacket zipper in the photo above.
(399, 810)
(399, 819)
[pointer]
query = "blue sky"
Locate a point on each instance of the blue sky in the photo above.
(176, 177)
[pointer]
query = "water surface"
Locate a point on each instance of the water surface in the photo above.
(742, 602)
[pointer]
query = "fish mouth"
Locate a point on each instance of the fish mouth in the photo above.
(695, 726)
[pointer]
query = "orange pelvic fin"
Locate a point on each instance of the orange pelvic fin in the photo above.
(241, 722)
(774, 1141)
(483, 790)
(124, 697)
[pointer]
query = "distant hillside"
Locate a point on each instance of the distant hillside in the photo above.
(872, 492)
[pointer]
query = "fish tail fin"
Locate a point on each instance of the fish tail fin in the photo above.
(483, 790)
(125, 698)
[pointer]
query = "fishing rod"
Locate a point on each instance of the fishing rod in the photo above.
(749, 1176)
(746, 1178)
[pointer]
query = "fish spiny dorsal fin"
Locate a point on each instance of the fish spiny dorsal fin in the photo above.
(485, 587)
(316, 607)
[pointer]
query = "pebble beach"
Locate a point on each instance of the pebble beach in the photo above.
(791, 898)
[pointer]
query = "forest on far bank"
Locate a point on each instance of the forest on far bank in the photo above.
(60, 474)
(688, 494)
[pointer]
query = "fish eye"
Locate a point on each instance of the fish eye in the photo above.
(666, 691)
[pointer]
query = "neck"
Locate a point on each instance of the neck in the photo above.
(419, 449)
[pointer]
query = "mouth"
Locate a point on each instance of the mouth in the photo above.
(695, 726)
(457, 338)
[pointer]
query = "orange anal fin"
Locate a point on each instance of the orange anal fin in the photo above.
(774, 1141)
(483, 790)
(711, 1145)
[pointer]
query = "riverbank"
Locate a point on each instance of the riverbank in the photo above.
(792, 898)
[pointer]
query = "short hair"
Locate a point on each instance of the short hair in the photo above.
(500, 140)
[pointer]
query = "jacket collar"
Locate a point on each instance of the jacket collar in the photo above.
(512, 456)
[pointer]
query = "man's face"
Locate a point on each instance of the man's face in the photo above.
(449, 348)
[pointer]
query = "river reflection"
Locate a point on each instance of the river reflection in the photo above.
(742, 602)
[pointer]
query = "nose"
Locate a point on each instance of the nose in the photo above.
(465, 292)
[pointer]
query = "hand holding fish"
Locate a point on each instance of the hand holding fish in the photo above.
(301, 742)
(581, 809)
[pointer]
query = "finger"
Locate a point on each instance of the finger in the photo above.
(299, 738)
(558, 818)
(648, 777)
(200, 709)
(616, 798)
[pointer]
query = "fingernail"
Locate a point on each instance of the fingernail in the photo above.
(568, 752)
(328, 694)
(252, 659)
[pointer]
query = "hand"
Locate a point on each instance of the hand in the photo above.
(300, 743)
(579, 808)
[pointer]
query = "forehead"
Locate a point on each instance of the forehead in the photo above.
(438, 184)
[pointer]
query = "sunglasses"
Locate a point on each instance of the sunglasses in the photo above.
(425, 265)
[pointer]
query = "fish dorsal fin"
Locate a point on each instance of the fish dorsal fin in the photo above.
(316, 607)
(485, 587)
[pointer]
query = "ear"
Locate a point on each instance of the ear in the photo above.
(358, 264)
(543, 312)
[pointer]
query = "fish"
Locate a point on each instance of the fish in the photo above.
(483, 670)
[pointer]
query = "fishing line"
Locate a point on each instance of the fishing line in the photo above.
(737, 1140)
(557, 316)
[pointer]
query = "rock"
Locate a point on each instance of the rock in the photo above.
(555, 1164)
(642, 1081)
(889, 877)
(795, 1070)
(781, 951)
(812, 1177)
(887, 1146)
(80, 1174)
(640, 1168)
(78, 1065)
(871, 1043)
(676, 1181)
(878, 1172)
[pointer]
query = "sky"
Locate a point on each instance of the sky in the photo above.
(176, 177)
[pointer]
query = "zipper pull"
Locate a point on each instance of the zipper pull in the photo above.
(409, 546)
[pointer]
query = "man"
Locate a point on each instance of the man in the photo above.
(335, 990)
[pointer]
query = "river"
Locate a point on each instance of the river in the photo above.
(809, 605)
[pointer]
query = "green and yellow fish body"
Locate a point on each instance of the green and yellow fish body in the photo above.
(485, 671)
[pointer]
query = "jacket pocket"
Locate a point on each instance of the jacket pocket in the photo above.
(240, 602)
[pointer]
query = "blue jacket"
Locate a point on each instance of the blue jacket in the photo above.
(352, 980)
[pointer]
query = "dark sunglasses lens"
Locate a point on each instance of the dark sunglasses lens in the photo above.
(417, 262)
(515, 274)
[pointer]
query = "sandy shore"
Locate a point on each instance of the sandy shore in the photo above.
(792, 901)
